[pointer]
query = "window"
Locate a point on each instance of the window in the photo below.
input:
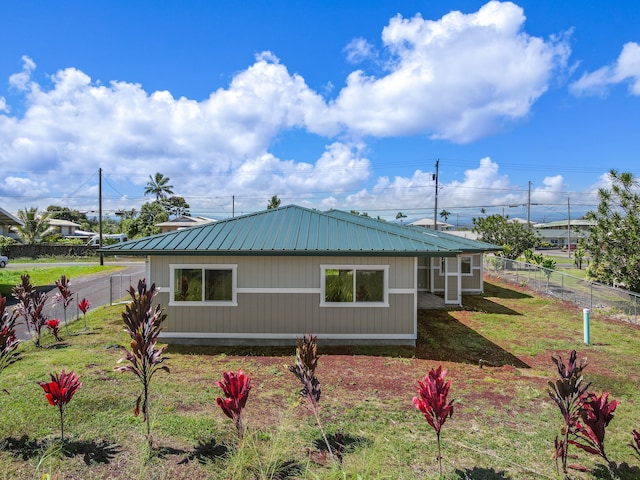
(465, 265)
(213, 284)
(350, 285)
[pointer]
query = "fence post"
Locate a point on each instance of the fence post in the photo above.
(586, 325)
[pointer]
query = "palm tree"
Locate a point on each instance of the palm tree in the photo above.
(445, 214)
(273, 203)
(34, 225)
(158, 186)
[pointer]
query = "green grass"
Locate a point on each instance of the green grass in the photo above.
(503, 425)
(47, 275)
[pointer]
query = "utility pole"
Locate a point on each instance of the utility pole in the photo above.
(529, 207)
(100, 214)
(569, 226)
(435, 208)
(233, 206)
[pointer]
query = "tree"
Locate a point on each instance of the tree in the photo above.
(35, 225)
(613, 240)
(144, 224)
(158, 186)
(445, 214)
(496, 229)
(273, 203)
(176, 206)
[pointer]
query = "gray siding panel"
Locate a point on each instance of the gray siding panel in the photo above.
(280, 312)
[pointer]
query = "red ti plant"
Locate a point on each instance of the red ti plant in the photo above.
(595, 416)
(23, 293)
(236, 389)
(53, 325)
(143, 324)
(636, 442)
(8, 340)
(567, 392)
(304, 370)
(59, 392)
(432, 402)
(64, 296)
(84, 306)
(35, 314)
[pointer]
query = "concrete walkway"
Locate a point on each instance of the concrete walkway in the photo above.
(429, 301)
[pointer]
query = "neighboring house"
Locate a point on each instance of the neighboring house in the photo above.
(272, 276)
(559, 234)
(65, 228)
(183, 221)
(7, 222)
(428, 223)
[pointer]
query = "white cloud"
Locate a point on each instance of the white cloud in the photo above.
(25, 187)
(552, 191)
(625, 69)
(359, 50)
(21, 80)
(456, 78)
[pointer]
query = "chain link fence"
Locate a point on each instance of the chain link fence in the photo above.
(119, 289)
(603, 299)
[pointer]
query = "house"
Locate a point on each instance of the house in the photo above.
(65, 228)
(428, 223)
(561, 233)
(271, 276)
(183, 221)
(7, 222)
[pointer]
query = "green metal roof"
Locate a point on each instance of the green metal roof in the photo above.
(294, 230)
(437, 237)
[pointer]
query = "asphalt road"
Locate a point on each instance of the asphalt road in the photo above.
(98, 288)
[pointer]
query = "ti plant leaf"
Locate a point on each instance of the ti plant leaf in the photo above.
(597, 412)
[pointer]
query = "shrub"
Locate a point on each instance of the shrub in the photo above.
(84, 306)
(53, 325)
(8, 340)
(59, 392)
(143, 324)
(595, 416)
(23, 293)
(432, 402)
(304, 370)
(567, 393)
(236, 388)
(64, 296)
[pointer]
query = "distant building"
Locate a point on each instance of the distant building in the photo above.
(66, 228)
(559, 234)
(183, 221)
(428, 223)
(7, 222)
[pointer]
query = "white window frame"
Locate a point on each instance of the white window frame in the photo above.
(194, 266)
(354, 303)
(470, 272)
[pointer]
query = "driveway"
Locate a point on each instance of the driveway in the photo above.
(97, 288)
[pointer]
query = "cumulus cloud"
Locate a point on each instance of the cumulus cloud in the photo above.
(457, 78)
(21, 80)
(358, 50)
(625, 69)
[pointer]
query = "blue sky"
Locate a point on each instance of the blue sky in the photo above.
(335, 104)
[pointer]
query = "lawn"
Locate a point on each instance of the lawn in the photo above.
(503, 425)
